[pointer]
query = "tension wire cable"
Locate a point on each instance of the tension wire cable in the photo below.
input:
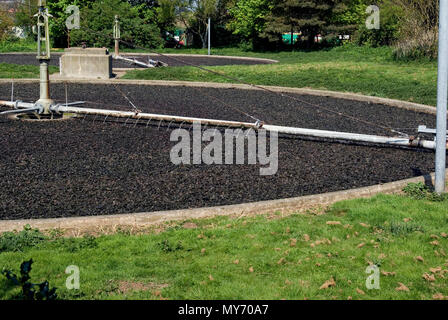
(136, 110)
(246, 83)
(12, 90)
(269, 90)
(182, 62)
(66, 93)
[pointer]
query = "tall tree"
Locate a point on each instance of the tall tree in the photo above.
(249, 17)
(310, 17)
(137, 26)
(166, 15)
(6, 22)
(194, 15)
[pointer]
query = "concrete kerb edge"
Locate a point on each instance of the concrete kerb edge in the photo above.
(288, 205)
(146, 219)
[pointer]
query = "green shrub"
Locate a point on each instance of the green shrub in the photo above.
(19, 241)
(166, 246)
(416, 190)
(420, 191)
(29, 290)
(389, 27)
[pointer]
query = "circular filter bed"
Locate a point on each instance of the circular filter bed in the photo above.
(171, 60)
(97, 166)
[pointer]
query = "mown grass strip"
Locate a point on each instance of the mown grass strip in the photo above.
(264, 257)
(15, 71)
(369, 71)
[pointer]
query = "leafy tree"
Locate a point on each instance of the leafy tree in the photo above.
(58, 28)
(6, 23)
(57, 8)
(387, 35)
(194, 15)
(24, 16)
(221, 34)
(249, 17)
(309, 17)
(139, 21)
(138, 24)
(354, 13)
(166, 15)
(147, 3)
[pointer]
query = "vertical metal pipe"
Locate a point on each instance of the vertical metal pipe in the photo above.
(39, 36)
(117, 47)
(208, 34)
(44, 80)
(442, 95)
(43, 56)
(117, 35)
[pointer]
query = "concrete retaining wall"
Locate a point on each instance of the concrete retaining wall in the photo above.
(90, 63)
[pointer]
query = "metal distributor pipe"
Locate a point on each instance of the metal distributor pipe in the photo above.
(21, 107)
(150, 116)
(17, 104)
(26, 105)
(37, 109)
(134, 61)
(392, 141)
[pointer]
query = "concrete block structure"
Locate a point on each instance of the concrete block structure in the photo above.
(88, 63)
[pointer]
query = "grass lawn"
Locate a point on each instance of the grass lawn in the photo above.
(263, 257)
(16, 71)
(369, 71)
(21, 46)
(17, 46)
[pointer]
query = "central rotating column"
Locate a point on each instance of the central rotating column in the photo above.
(43, 55)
